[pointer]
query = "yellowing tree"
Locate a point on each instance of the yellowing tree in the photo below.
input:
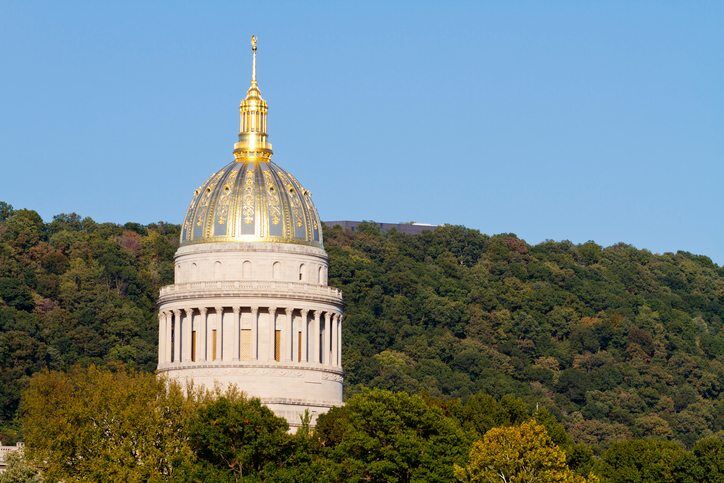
(92, 424)
(517, 454)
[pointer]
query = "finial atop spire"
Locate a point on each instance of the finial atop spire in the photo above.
(253, 144)
(253, 58)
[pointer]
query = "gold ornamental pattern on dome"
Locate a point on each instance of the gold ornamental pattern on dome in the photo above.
(252, 202)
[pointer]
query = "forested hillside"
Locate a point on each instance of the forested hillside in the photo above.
(617, 342)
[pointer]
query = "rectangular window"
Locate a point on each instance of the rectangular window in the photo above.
(213, 344)
(245, 345)
(193, 346)
(277, 345)
(299, 346)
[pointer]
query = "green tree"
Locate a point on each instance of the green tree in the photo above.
(709, 459)
(6, 209)
(235, 436)
(384, 436)
(303, 461)
(481, 412)
(23, 229)
(16, 294)
(645, 460)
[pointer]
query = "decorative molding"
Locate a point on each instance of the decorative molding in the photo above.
(252, 246)
(246, 288)
(332, 377)
(275, 369)
(300, 402)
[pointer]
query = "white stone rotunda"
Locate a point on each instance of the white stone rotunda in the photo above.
(250, 304)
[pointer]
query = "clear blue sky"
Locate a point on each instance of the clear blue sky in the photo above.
(553, 120)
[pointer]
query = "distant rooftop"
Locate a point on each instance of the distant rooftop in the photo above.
(410, 228)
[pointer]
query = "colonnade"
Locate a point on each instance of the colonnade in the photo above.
(289, 335)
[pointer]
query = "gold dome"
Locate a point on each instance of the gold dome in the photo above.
(252, 201)
(251, 198)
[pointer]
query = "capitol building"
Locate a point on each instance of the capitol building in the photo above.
(250, 305)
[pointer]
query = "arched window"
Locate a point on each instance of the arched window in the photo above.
(276, 270)
(193, 276)
(302, 275)
(319, 276)
(246, 269)
(217, 270)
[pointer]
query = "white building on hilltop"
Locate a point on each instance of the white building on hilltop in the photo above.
(250, 304)
(5, 452)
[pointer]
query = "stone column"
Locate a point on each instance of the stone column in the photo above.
(288, 335)
(316, 330)
(161, 335)
(186, 324)
(335, 346)
(325, 339)
(272, 328)
(237, 328)
(176, 336)
(305, 336)
(254, 333)
(339, 335)
(220, 333)
(202, 349)
(168, 344)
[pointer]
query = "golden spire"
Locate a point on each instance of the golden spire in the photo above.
(253, 59)
(253, 144)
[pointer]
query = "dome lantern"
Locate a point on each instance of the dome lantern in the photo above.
(253, 144)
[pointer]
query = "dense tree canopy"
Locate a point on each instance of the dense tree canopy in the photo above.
(121, 425)
(75, 291)
(615, 342)
(618, 341)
